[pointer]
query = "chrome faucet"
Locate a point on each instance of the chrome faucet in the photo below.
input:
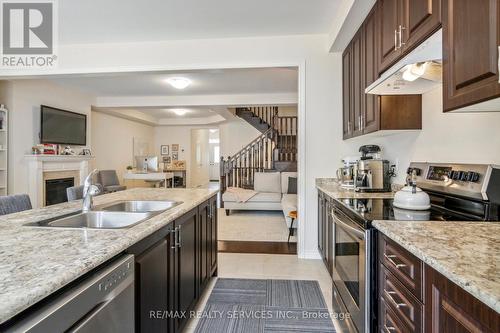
(89, 190)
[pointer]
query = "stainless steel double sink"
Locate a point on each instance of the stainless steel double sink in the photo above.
(117, 215)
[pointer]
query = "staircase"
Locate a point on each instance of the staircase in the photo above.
(274, 150)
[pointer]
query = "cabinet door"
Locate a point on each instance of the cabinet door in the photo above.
(152, 288)
(186, 282)
(450, 309)
(371, 114)
(389, 13)
(321, 215)
(213, 236)
(204, 228)
(420, 19)
(471, 36)
(346, 92)
(358, 91)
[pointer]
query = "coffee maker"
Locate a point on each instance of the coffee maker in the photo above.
(372, 174)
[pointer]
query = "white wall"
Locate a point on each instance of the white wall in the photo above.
(113, 138)
(26, 96)
(235, 135)
(445, 137)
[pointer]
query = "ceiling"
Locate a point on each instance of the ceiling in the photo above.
(97, 21)
(203, 82)
(168, 113)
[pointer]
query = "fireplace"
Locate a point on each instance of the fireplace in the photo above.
(55, 190)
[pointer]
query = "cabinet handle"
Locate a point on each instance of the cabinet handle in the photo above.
(389, 258)
(401, 43)
(174, 247)
(389, 296)
(395, 40)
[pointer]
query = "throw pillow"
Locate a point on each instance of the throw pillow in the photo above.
(292, 185)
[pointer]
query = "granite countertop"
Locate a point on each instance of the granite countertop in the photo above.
(332, 188)
(464, 252)
(37, 261)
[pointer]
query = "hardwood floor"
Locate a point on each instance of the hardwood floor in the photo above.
(257, 247)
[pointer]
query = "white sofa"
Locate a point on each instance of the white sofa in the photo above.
(272, 188)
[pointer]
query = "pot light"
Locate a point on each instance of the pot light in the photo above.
(179, 82)
(413, 72)
(179, 112)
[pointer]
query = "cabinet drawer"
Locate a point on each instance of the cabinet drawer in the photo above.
(405, 266)
(406, 307)
(389, 321)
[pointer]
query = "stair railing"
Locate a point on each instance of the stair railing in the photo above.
(266, 114)
(286, 138)
(239, 170)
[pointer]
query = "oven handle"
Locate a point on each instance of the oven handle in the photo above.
(355, 231)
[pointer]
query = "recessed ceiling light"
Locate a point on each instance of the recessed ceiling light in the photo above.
(180, 112)
(178, 82)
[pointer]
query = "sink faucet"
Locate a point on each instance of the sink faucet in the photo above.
(89, 190)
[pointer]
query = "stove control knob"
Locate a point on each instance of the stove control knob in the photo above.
(464, 176)
(473, 176)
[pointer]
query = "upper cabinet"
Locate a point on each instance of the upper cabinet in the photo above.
(364, 113)
(471, 36)
(403, 25)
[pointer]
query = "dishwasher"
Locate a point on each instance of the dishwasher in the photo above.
(101, 302)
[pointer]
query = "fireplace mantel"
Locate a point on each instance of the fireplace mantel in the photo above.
(41, 165)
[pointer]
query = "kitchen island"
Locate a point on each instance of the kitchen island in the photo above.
(35, 262)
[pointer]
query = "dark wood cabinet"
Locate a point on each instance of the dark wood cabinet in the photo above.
(152, 291)
(213, 240)
(321, 224)
(325, 223)
(371, 114)
(413, 297)
(450, 309)
(471, 36)
(173, 267)
(403, 25)
(365, 113)
(346, 92)
(420, 19)
(185, 277)
(389, 14)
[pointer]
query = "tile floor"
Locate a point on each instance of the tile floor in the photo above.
(267, 266)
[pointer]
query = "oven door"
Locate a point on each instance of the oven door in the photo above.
(349, 264)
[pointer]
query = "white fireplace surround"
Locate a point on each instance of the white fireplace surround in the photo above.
(42, 167)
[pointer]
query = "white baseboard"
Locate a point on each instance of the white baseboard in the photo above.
(310, 255)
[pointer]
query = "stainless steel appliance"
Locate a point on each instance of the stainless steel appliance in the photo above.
(372, 175)
(458, 192)
(101, 302)
(345, 174)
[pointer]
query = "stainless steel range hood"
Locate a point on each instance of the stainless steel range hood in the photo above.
(417, 73)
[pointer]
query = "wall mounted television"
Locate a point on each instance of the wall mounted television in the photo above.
(62, 127)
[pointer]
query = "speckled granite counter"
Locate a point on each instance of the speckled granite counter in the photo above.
(467, 253)
(331, 187)
(35, 261)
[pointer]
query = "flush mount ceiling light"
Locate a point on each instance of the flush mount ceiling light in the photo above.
(178, 82)
(413, 72)
(180, 112)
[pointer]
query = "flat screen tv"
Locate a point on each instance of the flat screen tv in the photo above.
(63, 127)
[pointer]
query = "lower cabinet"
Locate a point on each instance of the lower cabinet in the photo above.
(413, 297)
(173, 267)
(325, 227)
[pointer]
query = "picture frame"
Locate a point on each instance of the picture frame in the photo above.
(165, 149)
(175, 156)
(86, 152)
(175, 147)
(167, 160)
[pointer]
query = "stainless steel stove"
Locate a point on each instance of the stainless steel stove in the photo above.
(458, 192)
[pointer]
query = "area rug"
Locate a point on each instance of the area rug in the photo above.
(261, 306)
